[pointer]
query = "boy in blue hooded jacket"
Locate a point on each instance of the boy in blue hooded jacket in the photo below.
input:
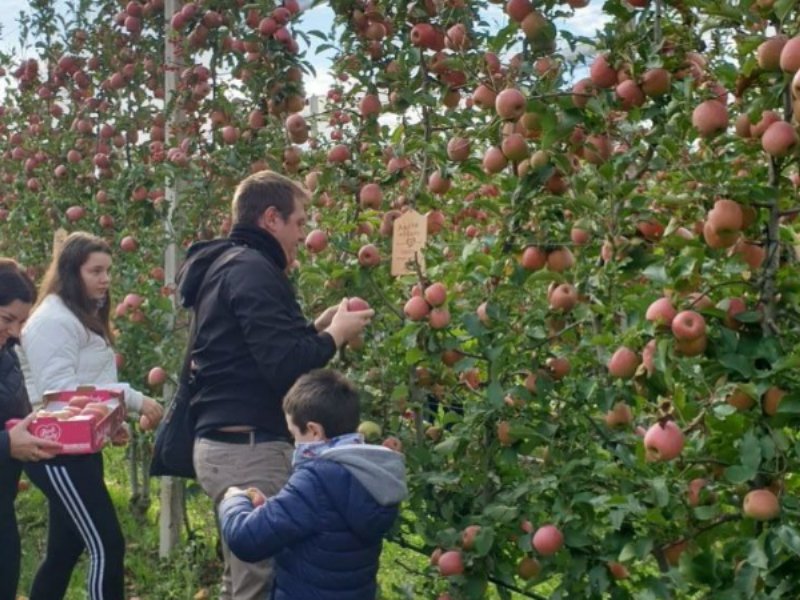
(325, 528)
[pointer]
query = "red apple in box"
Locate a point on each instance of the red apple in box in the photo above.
(79, 401)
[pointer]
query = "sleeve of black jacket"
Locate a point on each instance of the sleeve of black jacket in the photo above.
(276, 332)
(5, 448)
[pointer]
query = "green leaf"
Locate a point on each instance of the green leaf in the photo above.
(414, 356)
(738, 363)
(750, 316)
(484, 541)
(756, 555)
(750, 451)
(790, 538)
(790, 361)
(706, 513)
(501, 513)
(323, 47)
(660, 490)
(473, 325)
(739, 474)
(317, 34)
(657, 274)
(640, 549)
(495, 394)
(449, 446)
(702, 568)
(783, 7)
(399, 392)
(746, 580)
(789, 405)
(577, 538)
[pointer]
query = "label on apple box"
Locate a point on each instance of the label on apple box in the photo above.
(410, 232)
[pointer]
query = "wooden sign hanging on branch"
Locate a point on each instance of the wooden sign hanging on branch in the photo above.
(410, 232)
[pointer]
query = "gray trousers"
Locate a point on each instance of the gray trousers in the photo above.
(264, 465)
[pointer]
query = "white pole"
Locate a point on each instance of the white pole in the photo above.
(172, 489)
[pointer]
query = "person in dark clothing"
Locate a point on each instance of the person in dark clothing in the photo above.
(17, 294)
(326, 526)
(252, 342)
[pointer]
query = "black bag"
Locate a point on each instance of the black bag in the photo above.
(174, 445)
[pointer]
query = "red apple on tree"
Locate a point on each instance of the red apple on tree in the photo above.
(688, 325)
(156, 377)
(368, 256)
(316, 241)
(468, 536)
(416, 308)
(436, 294)
(761, 505)
(129, 244)
(661, 312)
(528, 568)
(533, 258)
(510, 104)
(620, 414)
(663, 442)
(623, 363)
(450, 563)
(547, 540)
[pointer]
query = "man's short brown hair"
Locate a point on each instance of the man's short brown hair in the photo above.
(259, 191)
(326, 397)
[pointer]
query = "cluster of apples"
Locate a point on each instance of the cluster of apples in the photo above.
(78, 406)
(430, 305)
(546, 541)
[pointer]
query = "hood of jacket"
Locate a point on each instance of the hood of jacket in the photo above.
(201, 255)
(380, 470)
(382, 474)
(199, 258)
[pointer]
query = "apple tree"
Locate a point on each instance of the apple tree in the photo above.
(591, 369)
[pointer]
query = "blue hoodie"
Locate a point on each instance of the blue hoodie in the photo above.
(325, 527)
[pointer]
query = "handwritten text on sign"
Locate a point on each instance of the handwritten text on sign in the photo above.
(410, 232)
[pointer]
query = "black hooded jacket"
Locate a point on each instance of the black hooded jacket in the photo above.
(13, 397)
(253, 341)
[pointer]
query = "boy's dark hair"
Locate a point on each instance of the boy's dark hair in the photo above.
(326, 397)
(257, 192)
(15, 284)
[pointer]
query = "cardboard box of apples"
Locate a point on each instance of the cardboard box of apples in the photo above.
(81, 420)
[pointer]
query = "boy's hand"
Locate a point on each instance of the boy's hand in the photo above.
(256, 496)
(234, 491)
(253, 494)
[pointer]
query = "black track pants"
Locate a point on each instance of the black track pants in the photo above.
(81, 517)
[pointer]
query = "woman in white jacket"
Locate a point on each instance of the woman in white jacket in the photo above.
(68, 342)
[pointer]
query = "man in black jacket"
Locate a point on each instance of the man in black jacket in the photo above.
(251, 345)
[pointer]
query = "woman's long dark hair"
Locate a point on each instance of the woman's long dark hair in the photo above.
(15, 284)
(63, 277)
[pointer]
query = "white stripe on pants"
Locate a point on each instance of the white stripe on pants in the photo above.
(59, 477)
